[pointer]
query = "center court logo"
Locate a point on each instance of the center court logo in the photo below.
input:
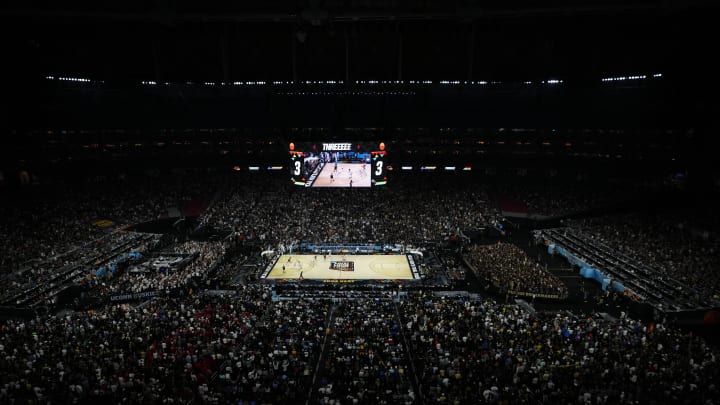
(342, 265)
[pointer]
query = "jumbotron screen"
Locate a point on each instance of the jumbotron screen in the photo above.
(338, 164)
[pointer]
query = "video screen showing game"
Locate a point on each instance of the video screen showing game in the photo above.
(338, 164)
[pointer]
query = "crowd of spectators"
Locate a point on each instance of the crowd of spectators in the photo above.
(234, 271)
(553, 203)
(248, 347)
(511, 270)
(202, 256)
(351, 346)
(414, 213)
(479, 351)
(164, 352)
(455, 270)
(212, 349)
(239, 197)
(664, 244)
(47, 223)
(273, 359)
(366, 360)
(557, 200)
(76, 265)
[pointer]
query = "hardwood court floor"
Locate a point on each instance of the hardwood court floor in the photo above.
(367, 267)
(341, 178)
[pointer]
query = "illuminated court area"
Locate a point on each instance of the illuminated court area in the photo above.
(344, 267)
(359, 173)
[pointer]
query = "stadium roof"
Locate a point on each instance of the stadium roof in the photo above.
(354, 39)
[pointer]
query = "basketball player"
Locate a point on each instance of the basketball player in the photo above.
(283, 269)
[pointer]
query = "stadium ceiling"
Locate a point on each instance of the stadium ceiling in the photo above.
(320, 11)
(188, 41)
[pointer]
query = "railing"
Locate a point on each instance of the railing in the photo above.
(647, 283)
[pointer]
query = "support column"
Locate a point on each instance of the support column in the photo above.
(157, 69)
(347, 57)
(293, 46)
(400, 55)
(224, 57)
(471, 52)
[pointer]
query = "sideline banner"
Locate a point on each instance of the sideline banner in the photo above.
(140, 296)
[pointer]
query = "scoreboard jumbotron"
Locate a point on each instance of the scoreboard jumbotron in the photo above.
(338, 164)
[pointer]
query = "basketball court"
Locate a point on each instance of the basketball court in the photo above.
(342, 267)
(359, 173)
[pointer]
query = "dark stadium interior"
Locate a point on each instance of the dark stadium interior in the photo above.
(549, 172)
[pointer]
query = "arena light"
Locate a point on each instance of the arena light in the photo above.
(254, 168)
(428, 168)
(275, 168)
(631, 77)
(406, 167)
(450, 168)
(467, 168)
(69, 79)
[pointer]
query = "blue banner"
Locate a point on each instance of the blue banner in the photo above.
(586, 270)
(112, 265)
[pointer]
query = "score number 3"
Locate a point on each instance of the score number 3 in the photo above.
(378, 168)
